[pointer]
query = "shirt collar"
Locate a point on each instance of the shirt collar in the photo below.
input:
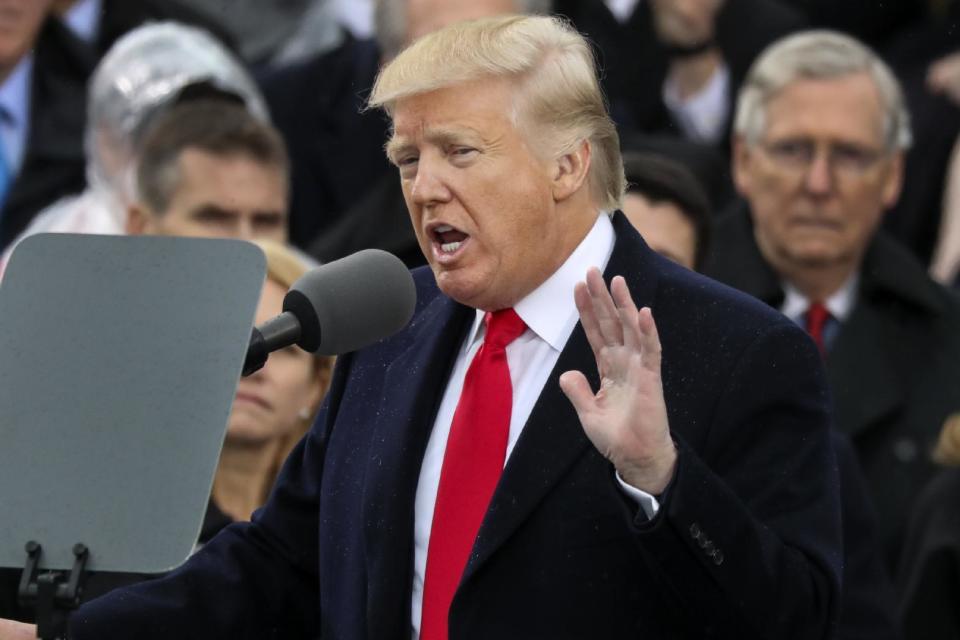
(549, 310)
(83, 19)
(622, 9)
(15, 93)
(840, 304)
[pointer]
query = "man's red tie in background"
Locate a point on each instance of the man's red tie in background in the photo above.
(817, 316)
(472, 464)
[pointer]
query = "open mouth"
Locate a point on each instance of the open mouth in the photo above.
(448, 240)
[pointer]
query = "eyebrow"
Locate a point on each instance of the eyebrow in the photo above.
(212, 211)
(215, 212)
(439, 136)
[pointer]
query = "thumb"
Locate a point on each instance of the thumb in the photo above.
(577, 389)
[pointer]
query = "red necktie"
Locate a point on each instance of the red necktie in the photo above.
(817, 316)
(472, 464)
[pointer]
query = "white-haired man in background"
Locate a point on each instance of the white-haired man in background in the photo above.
(820, 135)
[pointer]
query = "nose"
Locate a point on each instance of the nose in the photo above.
(245, 228)
(819, 177)
(429, 186)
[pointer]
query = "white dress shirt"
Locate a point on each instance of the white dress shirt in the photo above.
(550, 315)
(15, 114)
(703, 115)
(83, 19)
(622, 9)
(840, 304)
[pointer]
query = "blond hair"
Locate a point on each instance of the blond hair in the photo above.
(948, 446)
(558, 91)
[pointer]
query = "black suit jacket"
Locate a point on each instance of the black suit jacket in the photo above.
(746, 543)
(930, 581)
(893, 367)
(634, 64)
(336, 148)
(53, 162)
(120, 16)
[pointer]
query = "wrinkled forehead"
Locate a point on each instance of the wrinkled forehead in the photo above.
(477, 106)
(842, 107)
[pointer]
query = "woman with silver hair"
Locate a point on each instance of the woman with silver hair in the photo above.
(150, 67)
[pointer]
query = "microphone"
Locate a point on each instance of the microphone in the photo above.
(339, 307)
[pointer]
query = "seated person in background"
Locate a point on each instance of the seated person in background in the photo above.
(43, 78)
(667, 205)
(274, 407)
(930, 567)
(673, 66)
(208, 168)
(820, 134)
(147, 70)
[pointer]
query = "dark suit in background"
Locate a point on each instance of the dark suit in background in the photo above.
(893, 367)
(120, 16)
(931, 562)
(53, 161)
(336, 148)
(634, 64)
(746, 543)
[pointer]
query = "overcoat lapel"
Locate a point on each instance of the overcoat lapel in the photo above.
(552, 438)
(865, 383)
(412, 389)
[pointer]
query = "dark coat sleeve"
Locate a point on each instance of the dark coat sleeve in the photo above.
(867, 605)
(930, 569)
(254, 580)
(762, 547)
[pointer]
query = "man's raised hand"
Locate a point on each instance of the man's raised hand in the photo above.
(626, 419)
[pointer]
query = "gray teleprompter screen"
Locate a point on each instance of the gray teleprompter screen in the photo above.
(119, 360)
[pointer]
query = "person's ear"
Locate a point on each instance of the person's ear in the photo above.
(139, 220)
(740, 160)
(893, 181)
(570, 171)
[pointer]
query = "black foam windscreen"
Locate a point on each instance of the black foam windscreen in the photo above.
(352, 302)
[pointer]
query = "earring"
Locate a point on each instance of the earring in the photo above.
(304, 413)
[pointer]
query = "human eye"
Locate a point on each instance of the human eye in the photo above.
(461, 154)
(407, 163)
(791, 151)
(214, 216)
(853, 157)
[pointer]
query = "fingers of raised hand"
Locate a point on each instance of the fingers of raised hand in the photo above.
(649, 340)
(608, 319)
(577, 389)
(627, 313)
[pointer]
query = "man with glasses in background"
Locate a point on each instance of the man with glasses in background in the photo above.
(820, 135)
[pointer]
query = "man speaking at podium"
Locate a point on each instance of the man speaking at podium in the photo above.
(533, 456)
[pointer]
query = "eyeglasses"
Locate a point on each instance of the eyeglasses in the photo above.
(844, 158)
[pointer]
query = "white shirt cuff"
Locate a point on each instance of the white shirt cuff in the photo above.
(647, 502)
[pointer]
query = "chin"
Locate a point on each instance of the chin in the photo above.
(243, 433)
(816, 257)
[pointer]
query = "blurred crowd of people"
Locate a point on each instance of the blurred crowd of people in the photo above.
(806, 152)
